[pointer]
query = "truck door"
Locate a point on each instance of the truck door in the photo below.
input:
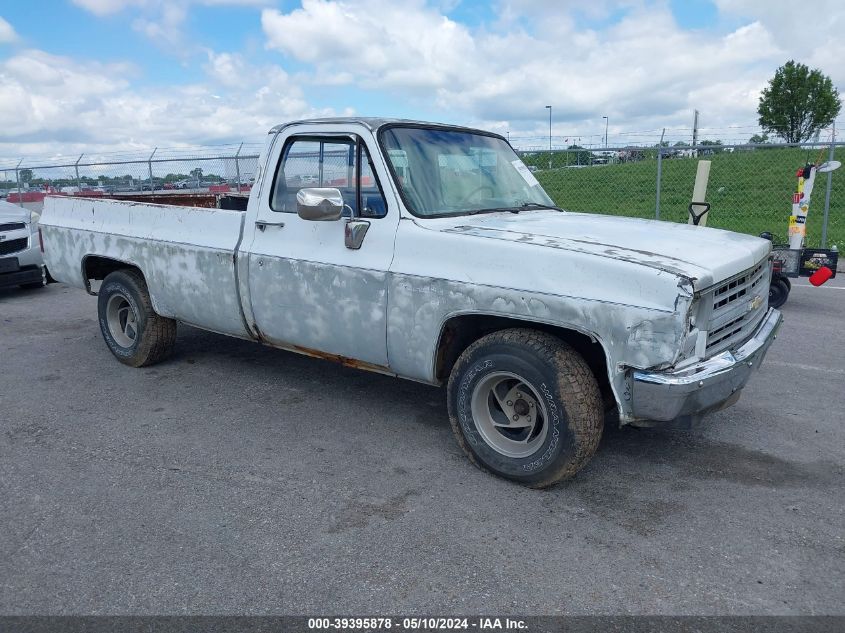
(308, 290)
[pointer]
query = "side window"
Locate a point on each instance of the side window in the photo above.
(314, 162)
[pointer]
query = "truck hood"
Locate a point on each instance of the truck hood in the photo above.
(12, 213)
(703, 255)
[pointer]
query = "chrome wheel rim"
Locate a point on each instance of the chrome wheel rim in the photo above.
(509, 414)
(122, 320)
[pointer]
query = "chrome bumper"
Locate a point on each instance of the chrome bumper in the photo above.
(687, 394)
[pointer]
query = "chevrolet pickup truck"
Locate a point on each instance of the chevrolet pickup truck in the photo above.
(430, 252)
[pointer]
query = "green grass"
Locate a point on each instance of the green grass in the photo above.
(749, 192)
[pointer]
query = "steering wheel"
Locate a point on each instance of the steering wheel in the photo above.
(475, 191)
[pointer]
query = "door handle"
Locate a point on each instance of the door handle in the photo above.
(262, 226)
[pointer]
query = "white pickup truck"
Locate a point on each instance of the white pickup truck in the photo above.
(430, 252)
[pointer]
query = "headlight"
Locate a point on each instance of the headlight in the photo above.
(34, 217)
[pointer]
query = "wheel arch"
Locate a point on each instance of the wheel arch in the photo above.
(459, 331)
(98, 267)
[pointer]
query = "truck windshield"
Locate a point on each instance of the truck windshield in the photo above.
(444, 172)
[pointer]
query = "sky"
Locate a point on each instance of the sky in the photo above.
(101, 76)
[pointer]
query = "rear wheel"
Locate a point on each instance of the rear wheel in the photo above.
(133, 332)
(778, 293)
(525, 406)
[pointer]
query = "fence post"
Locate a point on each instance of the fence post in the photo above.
(659, 176)
(827, 190)
(238, 166)
(18, 178)
(150, 166)
(76, 166)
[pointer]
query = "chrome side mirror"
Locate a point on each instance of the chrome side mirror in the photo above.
(320, 204)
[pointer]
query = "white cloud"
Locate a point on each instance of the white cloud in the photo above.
(107, 7)
(160, 20)
(52, 103)
(7, 32)
(635, 65)
(378, 42)
(166, 28)
(809, 33)
(642, 70)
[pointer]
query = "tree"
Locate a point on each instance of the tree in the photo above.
(798, 102)
(577, 155)
(759, 139)
(25, 175)
(710, 147)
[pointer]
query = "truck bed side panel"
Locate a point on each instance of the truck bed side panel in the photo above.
(187, 255)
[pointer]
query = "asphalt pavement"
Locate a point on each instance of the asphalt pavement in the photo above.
(238, 479)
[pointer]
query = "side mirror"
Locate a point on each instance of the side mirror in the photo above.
(319, 204)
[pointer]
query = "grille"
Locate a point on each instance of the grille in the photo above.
(12, 246)
(739, 304)
(12, 226)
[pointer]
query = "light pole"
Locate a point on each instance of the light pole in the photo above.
(606, 121)
(550, 135)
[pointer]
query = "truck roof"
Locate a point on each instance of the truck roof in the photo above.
(372, 123)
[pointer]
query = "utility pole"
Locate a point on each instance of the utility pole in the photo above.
(550, 135)
(606, 122)
(827, 190)
(18, 178)
(659, 175)
(150, 166)
(76, 166)
(695, 129)
(238, 166)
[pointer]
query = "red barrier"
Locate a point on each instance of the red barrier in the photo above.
(26, 196)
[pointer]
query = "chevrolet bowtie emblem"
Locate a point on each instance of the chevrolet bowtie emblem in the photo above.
(756, 302)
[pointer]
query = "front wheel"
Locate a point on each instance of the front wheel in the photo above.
(133, 332)
(525, 406)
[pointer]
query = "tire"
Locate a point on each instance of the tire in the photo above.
(778, 293)
(133, 332)
(485, 393)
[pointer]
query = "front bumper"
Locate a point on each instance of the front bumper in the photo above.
(13, 274)
(685, 395)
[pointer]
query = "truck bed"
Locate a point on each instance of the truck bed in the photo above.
(188, 254)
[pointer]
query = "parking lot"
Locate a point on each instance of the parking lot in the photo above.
(240, 479)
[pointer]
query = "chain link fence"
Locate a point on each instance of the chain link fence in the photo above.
(218, 169)
(750, 188)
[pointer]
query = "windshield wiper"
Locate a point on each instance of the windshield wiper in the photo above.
(534, 205)
(525, 206)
